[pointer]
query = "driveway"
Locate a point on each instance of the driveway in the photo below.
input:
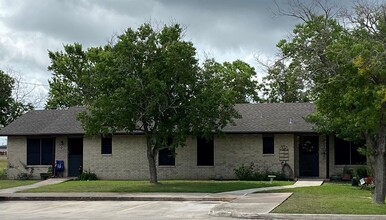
(241, 203)
(106, 210)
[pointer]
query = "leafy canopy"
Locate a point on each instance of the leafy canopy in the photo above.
(10, 109)
(346, 68)
(150, 81)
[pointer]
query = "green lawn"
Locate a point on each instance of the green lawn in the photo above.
(4, 183)
(3, 162)
(330, 198)
(3, 167)
(13, 183)
(208, 186)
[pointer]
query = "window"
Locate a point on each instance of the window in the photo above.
(205, 152)
(166, 157)
(40, 151)
(346, 153)
(268, 144)
(107, 145)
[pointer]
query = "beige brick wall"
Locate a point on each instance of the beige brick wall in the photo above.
(289, 141)
(336, 169)
(128, 159)
(296, 156)
(186, 164)
(237, 149)
(322, 156)
(17, 158)
(17, 155)
(61, 152)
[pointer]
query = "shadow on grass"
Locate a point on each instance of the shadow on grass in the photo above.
(330, 198)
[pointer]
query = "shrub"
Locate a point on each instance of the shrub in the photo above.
(245, 173)
(249, 173)
(87, 175)
(3, 174)
(347, 170)
(360, 172)
(25, 175)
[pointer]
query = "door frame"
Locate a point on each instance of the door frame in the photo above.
(70, 165)
(312, 156)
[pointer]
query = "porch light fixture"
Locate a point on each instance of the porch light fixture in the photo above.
(61, 145)
(324, 146)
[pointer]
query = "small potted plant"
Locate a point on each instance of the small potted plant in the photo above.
(47, 175)
(347, 173)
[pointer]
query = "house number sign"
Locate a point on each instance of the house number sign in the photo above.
(283, 154)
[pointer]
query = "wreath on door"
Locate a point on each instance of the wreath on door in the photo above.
(307, 146)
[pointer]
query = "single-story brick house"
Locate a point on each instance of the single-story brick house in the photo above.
(268, 134)
(3, 150)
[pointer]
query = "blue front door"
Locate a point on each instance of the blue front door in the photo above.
(75, 156)
(309, 156)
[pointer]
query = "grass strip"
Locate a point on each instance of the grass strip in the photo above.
(330, 198)
(190, 186)
(14, 183)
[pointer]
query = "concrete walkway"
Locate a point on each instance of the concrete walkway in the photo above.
(116, 197)
(299, 183)
(235, 204)
(250, 204)
(35, 185)
(240, 203)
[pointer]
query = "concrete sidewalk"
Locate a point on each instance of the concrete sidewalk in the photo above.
(239, 204)
(299, 183)
(46, 182)
(250, 204)
(116, 197)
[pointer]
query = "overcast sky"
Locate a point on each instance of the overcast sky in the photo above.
(222, 29)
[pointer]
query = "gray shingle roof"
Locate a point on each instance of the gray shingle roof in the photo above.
(46, 122)
(256, 118)
(272, 118)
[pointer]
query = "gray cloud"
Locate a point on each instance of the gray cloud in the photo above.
(63, 20)
(237, 23)
(231, 25)
(225, 29)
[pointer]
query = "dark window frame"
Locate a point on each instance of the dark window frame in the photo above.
(205, 152)
(166, 157)
(268, 144)
(345, 153)
(42, 152)
(107, 145)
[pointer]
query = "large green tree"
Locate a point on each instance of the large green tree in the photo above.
(72, 71)
(237, 76)
(354, 101)
(302, 67)
(346, 65)
(150, 81)
(10, 109)
(6, 100)
(285, 82)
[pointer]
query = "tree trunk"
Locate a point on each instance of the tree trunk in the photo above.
(379, 167)
(370, 158)
(151, 157)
